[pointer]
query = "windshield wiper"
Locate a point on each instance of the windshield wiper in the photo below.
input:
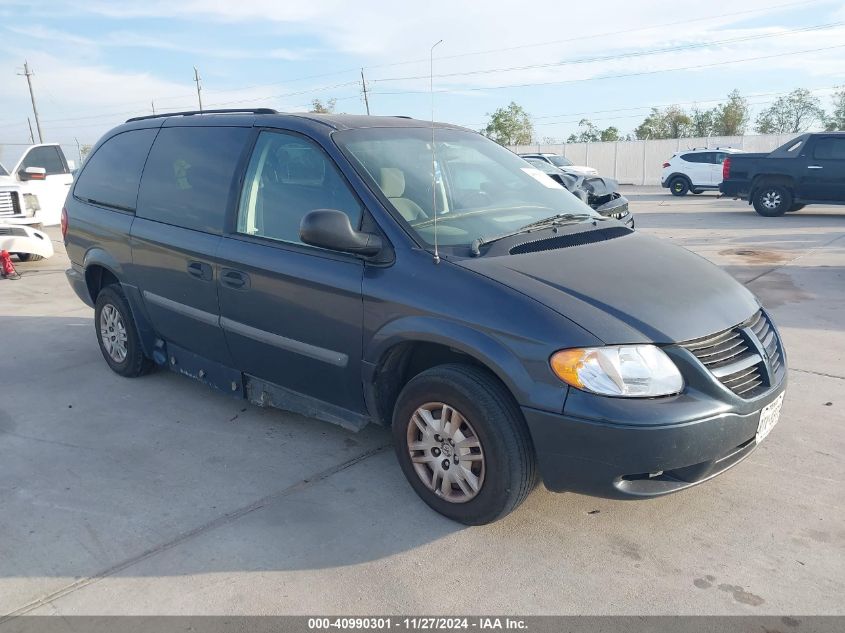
(555, 220)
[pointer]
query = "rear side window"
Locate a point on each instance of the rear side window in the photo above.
(693, 158)
(830, 149)
(112, 174)
(189, 175)
(46, 157)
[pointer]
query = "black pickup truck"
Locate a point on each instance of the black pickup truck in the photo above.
(809, 169)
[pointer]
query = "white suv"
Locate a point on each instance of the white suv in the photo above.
(695, 170)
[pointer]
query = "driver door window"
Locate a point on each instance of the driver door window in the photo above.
(288, 177)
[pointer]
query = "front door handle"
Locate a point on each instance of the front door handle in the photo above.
(234, 278)
(200, 270)
(814, 167)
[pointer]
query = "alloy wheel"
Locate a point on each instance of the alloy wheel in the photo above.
(771, 199)
(113, 333)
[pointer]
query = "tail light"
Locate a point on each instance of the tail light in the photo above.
(665, 165)
(64, 223)
(726, 169)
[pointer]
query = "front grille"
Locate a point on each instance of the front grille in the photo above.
(747, 358)
(9, 203)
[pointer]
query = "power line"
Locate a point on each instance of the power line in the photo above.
(605, 34)
(603, 58)
(618, 76)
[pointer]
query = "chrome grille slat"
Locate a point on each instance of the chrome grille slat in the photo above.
(733, 358)
(746, 387)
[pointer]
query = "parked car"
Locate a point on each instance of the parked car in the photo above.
(695, 170)
(42, 171)
(563, 163)
(600, 194)
(809, 169)
(347, 268)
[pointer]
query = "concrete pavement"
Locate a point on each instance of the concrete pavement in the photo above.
(158, 496)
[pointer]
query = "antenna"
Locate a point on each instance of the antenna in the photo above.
(433, 157)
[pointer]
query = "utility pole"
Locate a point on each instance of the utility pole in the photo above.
(364, 86)
(28, 74)
(31, 135)
(153, 104)
(199, 86)
(78, 149)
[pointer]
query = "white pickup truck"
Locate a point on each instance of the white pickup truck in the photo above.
(31, 197)
(36, 187)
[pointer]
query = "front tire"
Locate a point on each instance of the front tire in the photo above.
(698, 191)
(772, 200)
(679, 186)
(463, 445)
(117, 335)
(796, 207)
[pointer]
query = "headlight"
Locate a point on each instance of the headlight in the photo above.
(30, 204)
(641, 371)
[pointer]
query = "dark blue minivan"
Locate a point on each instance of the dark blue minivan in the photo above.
(381, 269)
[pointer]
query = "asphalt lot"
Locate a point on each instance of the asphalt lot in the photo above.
(157, 496)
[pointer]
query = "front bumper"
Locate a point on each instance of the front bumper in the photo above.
(633, 448)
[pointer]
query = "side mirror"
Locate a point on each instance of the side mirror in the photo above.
(331, 229)
(32, 173)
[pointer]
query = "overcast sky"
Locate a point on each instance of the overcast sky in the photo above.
(97, 63)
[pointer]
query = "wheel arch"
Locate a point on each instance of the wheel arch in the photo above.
(406, 347)
(100, 270)
(764, 180)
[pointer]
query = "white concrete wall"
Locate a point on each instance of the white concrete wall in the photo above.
(640, 162)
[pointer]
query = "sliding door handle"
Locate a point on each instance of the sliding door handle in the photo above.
(200, 270)
(234, 278)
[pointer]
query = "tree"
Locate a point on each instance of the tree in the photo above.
(672, 122)
(611, 134)
(588, 132)
(701, 122)
(323, 108)
(731, 118)
(796, 112)
(510, 126)
(84, 150)
(836, 120)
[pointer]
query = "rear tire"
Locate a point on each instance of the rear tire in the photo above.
(698, 191)
(29, 257)
(117, 334)
(772, 200)
(796, 207)
(679, 186)
(463, 445)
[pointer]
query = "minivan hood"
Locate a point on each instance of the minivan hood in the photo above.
(631, 289)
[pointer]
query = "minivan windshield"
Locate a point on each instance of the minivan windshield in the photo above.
(479, 188)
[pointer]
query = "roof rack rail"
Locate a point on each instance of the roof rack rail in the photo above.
(193, 112)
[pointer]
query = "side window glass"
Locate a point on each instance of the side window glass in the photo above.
(289, 176)
(692, 158)
(830, 149)
(189, 175)
(112, 174)
(46, 157)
